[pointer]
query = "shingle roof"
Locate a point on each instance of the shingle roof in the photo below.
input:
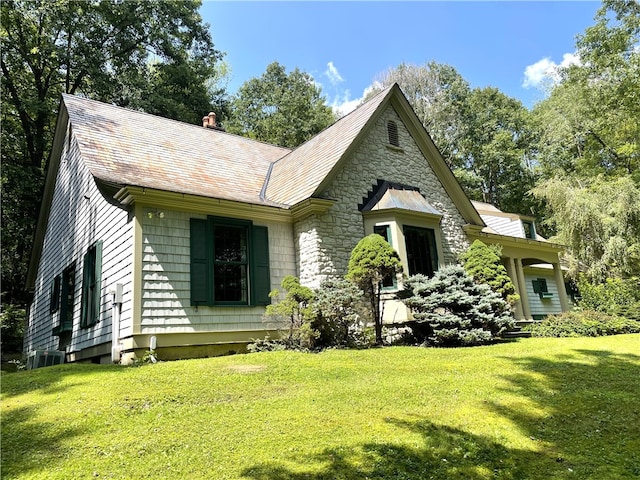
(126, 147)
(297, 176)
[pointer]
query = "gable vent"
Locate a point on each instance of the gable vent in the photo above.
(392, 131)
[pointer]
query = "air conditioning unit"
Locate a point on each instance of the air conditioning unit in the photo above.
(44, 358)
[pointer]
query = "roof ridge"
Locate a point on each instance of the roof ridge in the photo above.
(166, 119)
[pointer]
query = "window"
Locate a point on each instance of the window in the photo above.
(529, 229)
(392, 132)
(229, 262)
(66, 301)
(385, 232)
(91, 281)
(422, 254)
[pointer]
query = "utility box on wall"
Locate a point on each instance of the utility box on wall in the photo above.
(44, 358)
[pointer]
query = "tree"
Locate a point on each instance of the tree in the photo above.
(459, 310)
(337, 313)
(589, 124)
(279, 108)
(599, 220)
(496, 151)
(373, 259)
(483, 263)
(438, 94)
(134, 54)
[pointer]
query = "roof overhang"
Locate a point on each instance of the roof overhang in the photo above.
(518, 247)
(129, 195)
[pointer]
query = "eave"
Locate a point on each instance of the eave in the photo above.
(521, 244)
(129, 195)
(311, 206)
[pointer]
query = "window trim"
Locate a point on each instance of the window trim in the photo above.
(390, 282)
(202, 242)
(432, 251)
(65, 317)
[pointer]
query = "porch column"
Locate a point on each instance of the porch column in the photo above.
(562, 291)
(524, 298)
(511, 271)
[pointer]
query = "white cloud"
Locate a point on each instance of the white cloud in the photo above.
(344, 104)
(332, 73)
(546, 72)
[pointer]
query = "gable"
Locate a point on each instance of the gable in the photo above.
(308, 170)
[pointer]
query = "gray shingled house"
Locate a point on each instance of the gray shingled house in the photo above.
(157, 232)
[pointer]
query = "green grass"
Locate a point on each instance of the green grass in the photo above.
(537, 408)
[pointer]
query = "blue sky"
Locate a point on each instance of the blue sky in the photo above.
(345, 46)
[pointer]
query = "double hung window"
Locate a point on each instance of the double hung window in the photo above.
(229, 262)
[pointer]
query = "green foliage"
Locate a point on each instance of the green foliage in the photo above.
(338, 310)
(12, 324)
(588, 126)
(599, 220)
(153, 56)
(582, 323)
(293, 314)
(614, 296)
(497, 150)
(372, 260)
(438, 94)
(279, 108)
(483, 263)
(460, 311)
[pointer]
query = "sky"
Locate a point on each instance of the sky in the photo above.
(346, 46)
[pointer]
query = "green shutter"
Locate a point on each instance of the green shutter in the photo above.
(97, 282)
(84, 306)
(260, 276)
(54, 304)
(91, 285)
(201, 268)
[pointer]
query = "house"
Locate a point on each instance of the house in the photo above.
(159, 234)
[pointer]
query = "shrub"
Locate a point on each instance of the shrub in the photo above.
(614, 296)
(338, 309)
(12, 323)
(483, 263)
(292, 315)
(585, 323)
(372, 260)
(458, 310)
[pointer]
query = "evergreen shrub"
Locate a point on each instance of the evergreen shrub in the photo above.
(459, 311)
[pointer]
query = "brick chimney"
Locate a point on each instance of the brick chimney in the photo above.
(209, 121)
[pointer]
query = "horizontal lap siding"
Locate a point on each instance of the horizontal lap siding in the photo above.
(542, 306)
(79, 216)
(166, 304)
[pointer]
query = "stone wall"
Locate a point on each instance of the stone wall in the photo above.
(325, 242)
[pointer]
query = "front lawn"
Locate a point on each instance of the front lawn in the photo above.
(536, 408)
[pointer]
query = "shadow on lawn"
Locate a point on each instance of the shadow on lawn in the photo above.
(26, 441)
(586, 410)
(582, 410)
(445, 453)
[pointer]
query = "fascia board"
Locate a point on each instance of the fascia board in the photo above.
(435, 159)
(148, 197)
(63, 127)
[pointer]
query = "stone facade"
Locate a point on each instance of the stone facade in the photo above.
(324, 242)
